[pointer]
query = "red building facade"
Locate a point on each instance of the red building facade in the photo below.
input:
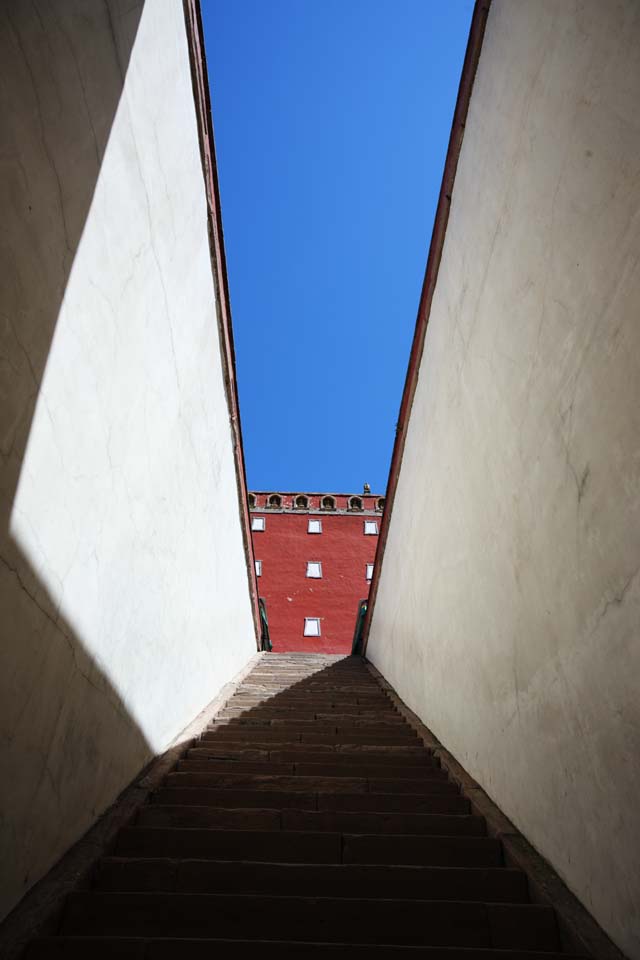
(314, 555)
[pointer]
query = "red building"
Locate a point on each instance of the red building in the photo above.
(314, 555)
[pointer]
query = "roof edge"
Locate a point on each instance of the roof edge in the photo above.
(202, 102)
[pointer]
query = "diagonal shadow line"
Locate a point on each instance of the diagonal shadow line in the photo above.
(250, 741)
(69, 744)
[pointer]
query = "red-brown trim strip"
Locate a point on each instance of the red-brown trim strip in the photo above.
(200, 80)
(472, 56)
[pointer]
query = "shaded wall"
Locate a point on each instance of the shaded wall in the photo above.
(509, 600)
(124, 596)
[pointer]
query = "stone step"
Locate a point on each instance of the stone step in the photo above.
(308, 706)
(326, 688)
(326, 768)
(389, 725)
(239, 781)
(177, 948)
(283, 752)
(308, 847)
(222, 818)
(263, 737)
(236, 737)
(340, 714)
(272, 697)
(419, 922)
(498, 885)
(247, 799)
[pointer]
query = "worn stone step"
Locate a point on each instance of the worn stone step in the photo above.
(424, 824)
(283, 751)
(311, 753)
(234, 766)
(434, 802)
(497, 885)
(267, 846)
(319, 734)
(340, 713)
(384, 803)
(396, 756)
(370, 822)
(309, 702)
(326, 688)
(395, 739)
(123, 948)
(321, 769)
(349, 785)
(126, 948)
(312, 847)
(241, 799)
(391, 725)
(299, 691)
(420, 922)
(216, 818)
(425, 851)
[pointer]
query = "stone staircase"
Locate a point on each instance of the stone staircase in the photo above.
(307, 821)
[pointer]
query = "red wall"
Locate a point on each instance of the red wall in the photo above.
(342, 548)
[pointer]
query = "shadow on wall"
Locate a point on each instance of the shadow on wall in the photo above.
(63, 69)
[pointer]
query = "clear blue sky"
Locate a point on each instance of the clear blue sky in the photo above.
(332, 119)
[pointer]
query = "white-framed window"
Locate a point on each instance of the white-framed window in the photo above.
(371, 528)
(369, 571)
(314, 569)
(314, 526)
(311, 627)
(258, 523)
(258, 568)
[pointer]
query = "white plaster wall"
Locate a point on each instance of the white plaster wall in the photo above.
(509, 602)
(124, 596)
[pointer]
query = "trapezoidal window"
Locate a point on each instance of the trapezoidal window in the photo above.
(314, 526)
(311, 627)
(371, 528)
(314, 569)
(328, 503)
(301, 502)
(274, 501)
(258, 523)
(258, 568)
(369, 571)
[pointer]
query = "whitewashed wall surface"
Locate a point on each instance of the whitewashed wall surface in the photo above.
(509, 603)
(124, 595)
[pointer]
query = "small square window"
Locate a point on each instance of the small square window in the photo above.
(312, 626)
(258, 568)
(257, 523)
(369, 572)
(314, 526)
(371, 527)
(314, 569)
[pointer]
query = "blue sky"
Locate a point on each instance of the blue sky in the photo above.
(332, 119)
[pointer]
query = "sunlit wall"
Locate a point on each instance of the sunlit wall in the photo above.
(124, 596)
